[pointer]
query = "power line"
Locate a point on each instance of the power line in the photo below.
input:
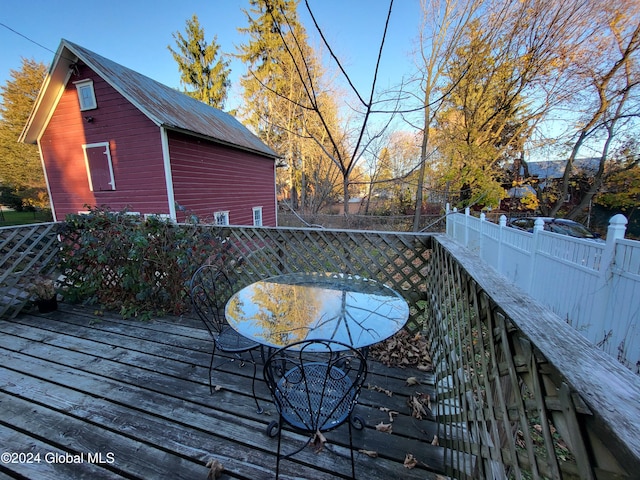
(26, 38)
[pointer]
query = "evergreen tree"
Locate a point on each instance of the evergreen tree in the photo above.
(270, 69)
(283, 93)
(203, 72)
(21, 173)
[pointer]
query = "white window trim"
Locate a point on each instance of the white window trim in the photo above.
(107, 151)
(79, 86)
(221, 218)
(160, 216)
(257, 222)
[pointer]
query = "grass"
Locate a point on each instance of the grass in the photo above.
(11, 217)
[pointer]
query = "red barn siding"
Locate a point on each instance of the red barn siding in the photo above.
(136, 152)
(209, 177)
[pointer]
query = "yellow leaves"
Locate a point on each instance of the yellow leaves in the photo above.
(530, 201)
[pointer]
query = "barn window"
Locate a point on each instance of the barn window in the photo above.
(221, 218)
(257, 216)
(86, 95)
(97, 158)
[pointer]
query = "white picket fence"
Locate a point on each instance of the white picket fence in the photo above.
(594, 286)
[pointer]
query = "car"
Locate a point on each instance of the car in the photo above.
(562, 226)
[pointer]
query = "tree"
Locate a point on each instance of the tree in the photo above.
(342, 147)
(21, 174)
(203, 72)
(479, 117)
(622, 179)
(444, 23)
(282, 67)
(391, 165)
(511, 71)
(607, 82)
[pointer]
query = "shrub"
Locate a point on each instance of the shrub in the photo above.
(138, 266)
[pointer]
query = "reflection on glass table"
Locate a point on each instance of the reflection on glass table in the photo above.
(288, 308)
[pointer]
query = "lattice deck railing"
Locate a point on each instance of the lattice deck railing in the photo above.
(520, 394)
(399, 260)
(24, 252)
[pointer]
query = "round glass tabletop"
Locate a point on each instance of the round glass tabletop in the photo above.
(288, 308)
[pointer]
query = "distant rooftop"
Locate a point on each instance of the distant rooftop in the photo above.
(555, 168)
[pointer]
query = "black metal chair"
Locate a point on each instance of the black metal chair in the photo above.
(315, 386)
(210, 290)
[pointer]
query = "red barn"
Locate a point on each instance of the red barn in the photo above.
(109, 136)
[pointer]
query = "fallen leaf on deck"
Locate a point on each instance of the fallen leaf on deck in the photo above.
(420, 405)
(410, 461)
(390, 412)
(389, 393)
(435, 440)
(318, 441)
(217, 388)
(384, 427)
(215, 469)
(369, 453)
(417, 409)
(403, 350)
(412, 381)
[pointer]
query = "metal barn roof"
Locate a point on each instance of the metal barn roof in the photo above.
(163, 105)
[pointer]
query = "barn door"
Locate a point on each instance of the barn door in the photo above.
(99, 168)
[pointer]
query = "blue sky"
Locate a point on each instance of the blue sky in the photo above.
(136, 33)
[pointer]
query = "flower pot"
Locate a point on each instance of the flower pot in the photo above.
(47, 305)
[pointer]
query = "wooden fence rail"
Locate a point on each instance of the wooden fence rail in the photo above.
(520, 395)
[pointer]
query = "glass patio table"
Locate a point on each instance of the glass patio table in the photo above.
(284, 309)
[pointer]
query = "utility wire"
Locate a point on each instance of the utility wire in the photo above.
(26, 38)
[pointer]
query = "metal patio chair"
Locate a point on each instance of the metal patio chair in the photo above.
(315, 386)
(210, 290)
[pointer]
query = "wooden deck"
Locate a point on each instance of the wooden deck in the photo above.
(84, 395)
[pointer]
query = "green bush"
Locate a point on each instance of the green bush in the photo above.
(141, 267)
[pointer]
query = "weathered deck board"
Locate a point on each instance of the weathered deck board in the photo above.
(77, 383)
